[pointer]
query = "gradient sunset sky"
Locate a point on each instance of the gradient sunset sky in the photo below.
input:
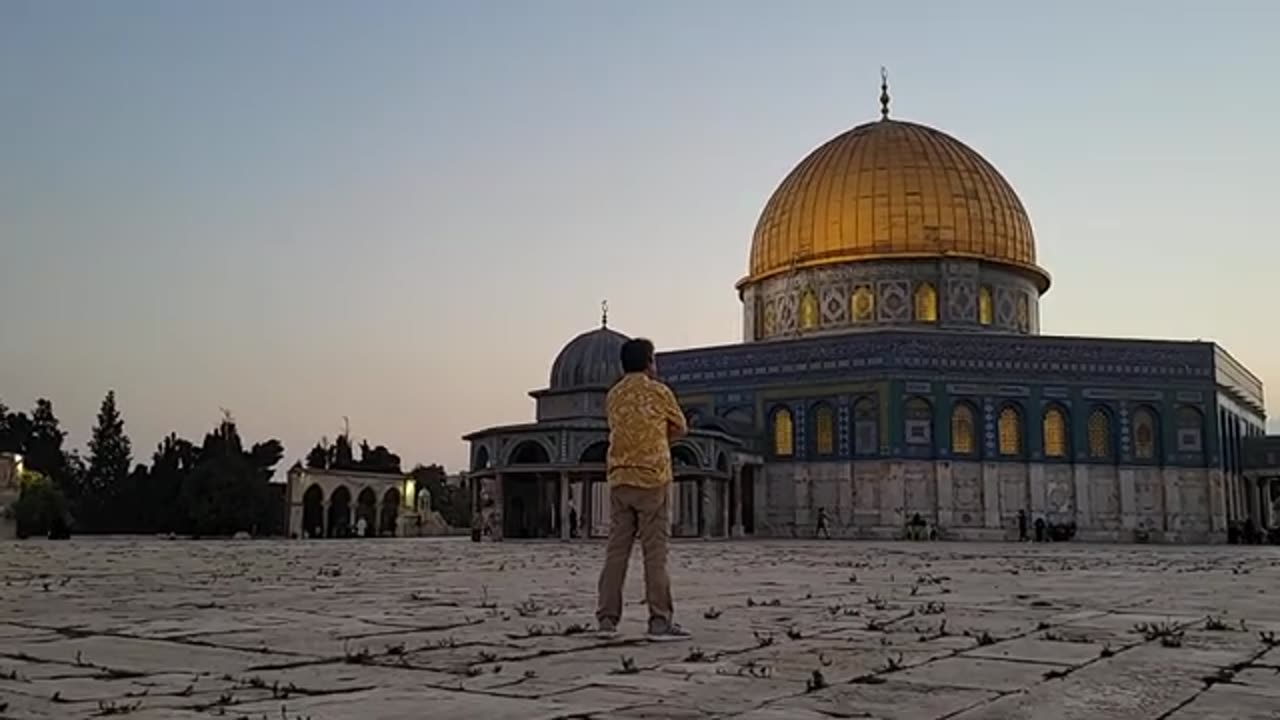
(400, 211)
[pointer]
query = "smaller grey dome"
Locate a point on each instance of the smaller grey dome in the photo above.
(593, 359)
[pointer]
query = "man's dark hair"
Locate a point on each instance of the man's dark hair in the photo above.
(636, 355)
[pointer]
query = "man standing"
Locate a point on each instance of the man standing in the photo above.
(644, 418)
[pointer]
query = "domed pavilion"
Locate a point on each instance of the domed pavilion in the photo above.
(893, 376)
(547, 478)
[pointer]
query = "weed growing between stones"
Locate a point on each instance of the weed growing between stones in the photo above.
(1215, 624)
(763, 639)
(712, 613)
(1268, 638)
(893, 664)
(628, 666)
(815, 682)
(110, 707)
(794, 633)
(1168, 633)
(698, 655)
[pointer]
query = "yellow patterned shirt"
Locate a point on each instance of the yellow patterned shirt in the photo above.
(643, 415)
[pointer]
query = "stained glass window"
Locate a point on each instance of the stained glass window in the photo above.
(783, 433)
(1144, 434)
(808, 310)
(1099, 434)
(824, 430)
(962, 433)
(926, 303)
(1009, 431)
(985, 312)
(1055, 433)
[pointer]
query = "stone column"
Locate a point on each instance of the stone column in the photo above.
(324, 519)
(295, 521)
(564, 505)
(735, 529)
(588, 505)
(704, 508)
(723, 507)
(497, 514)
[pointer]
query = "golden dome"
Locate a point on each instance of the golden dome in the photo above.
(892, 190)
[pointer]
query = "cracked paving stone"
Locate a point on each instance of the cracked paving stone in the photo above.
(207, 629)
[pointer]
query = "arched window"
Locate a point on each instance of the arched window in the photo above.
(783, 433)
(1190, 424)
(1144, 434)
(918, 426)
(926, 303)
(1055, 433)
(862, 305)
(757, 321)
(1023, 314)
(985, 313)
(824, 435)
(963, 441)
(1009, 431)
(866, 427)
(1099, 434)
(808, 310)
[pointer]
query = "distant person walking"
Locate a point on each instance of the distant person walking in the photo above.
(644, 418)
(823, 529)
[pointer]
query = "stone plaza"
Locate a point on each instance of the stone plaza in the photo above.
(783, 630)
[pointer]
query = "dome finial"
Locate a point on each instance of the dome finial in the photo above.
(884, 93)
(604, 313)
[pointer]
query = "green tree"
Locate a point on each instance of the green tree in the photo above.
(318, 458)
(453, 503)
(228, 490)
(40, 508)
(110, 456)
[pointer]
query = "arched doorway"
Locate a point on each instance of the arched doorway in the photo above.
(525, 493)
(339, 521)
(366, 510)
(313, 511)
(390, 511)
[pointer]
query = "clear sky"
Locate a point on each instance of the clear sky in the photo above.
(399, 211)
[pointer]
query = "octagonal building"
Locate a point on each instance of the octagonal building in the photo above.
(893, 373)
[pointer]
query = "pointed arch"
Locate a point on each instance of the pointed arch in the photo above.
(824, 430)
(1009, 431)
(918, 421)
(1146, 434)
(866, 427)
(1190, 429)
(926, 303)
(1099, 434)
(963, 433)
(1055, 432)
(783, 433)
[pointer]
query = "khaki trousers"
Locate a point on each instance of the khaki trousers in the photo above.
(636, 512)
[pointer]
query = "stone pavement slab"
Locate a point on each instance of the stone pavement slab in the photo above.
(783, 630)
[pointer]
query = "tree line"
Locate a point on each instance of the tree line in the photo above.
(220, 486)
